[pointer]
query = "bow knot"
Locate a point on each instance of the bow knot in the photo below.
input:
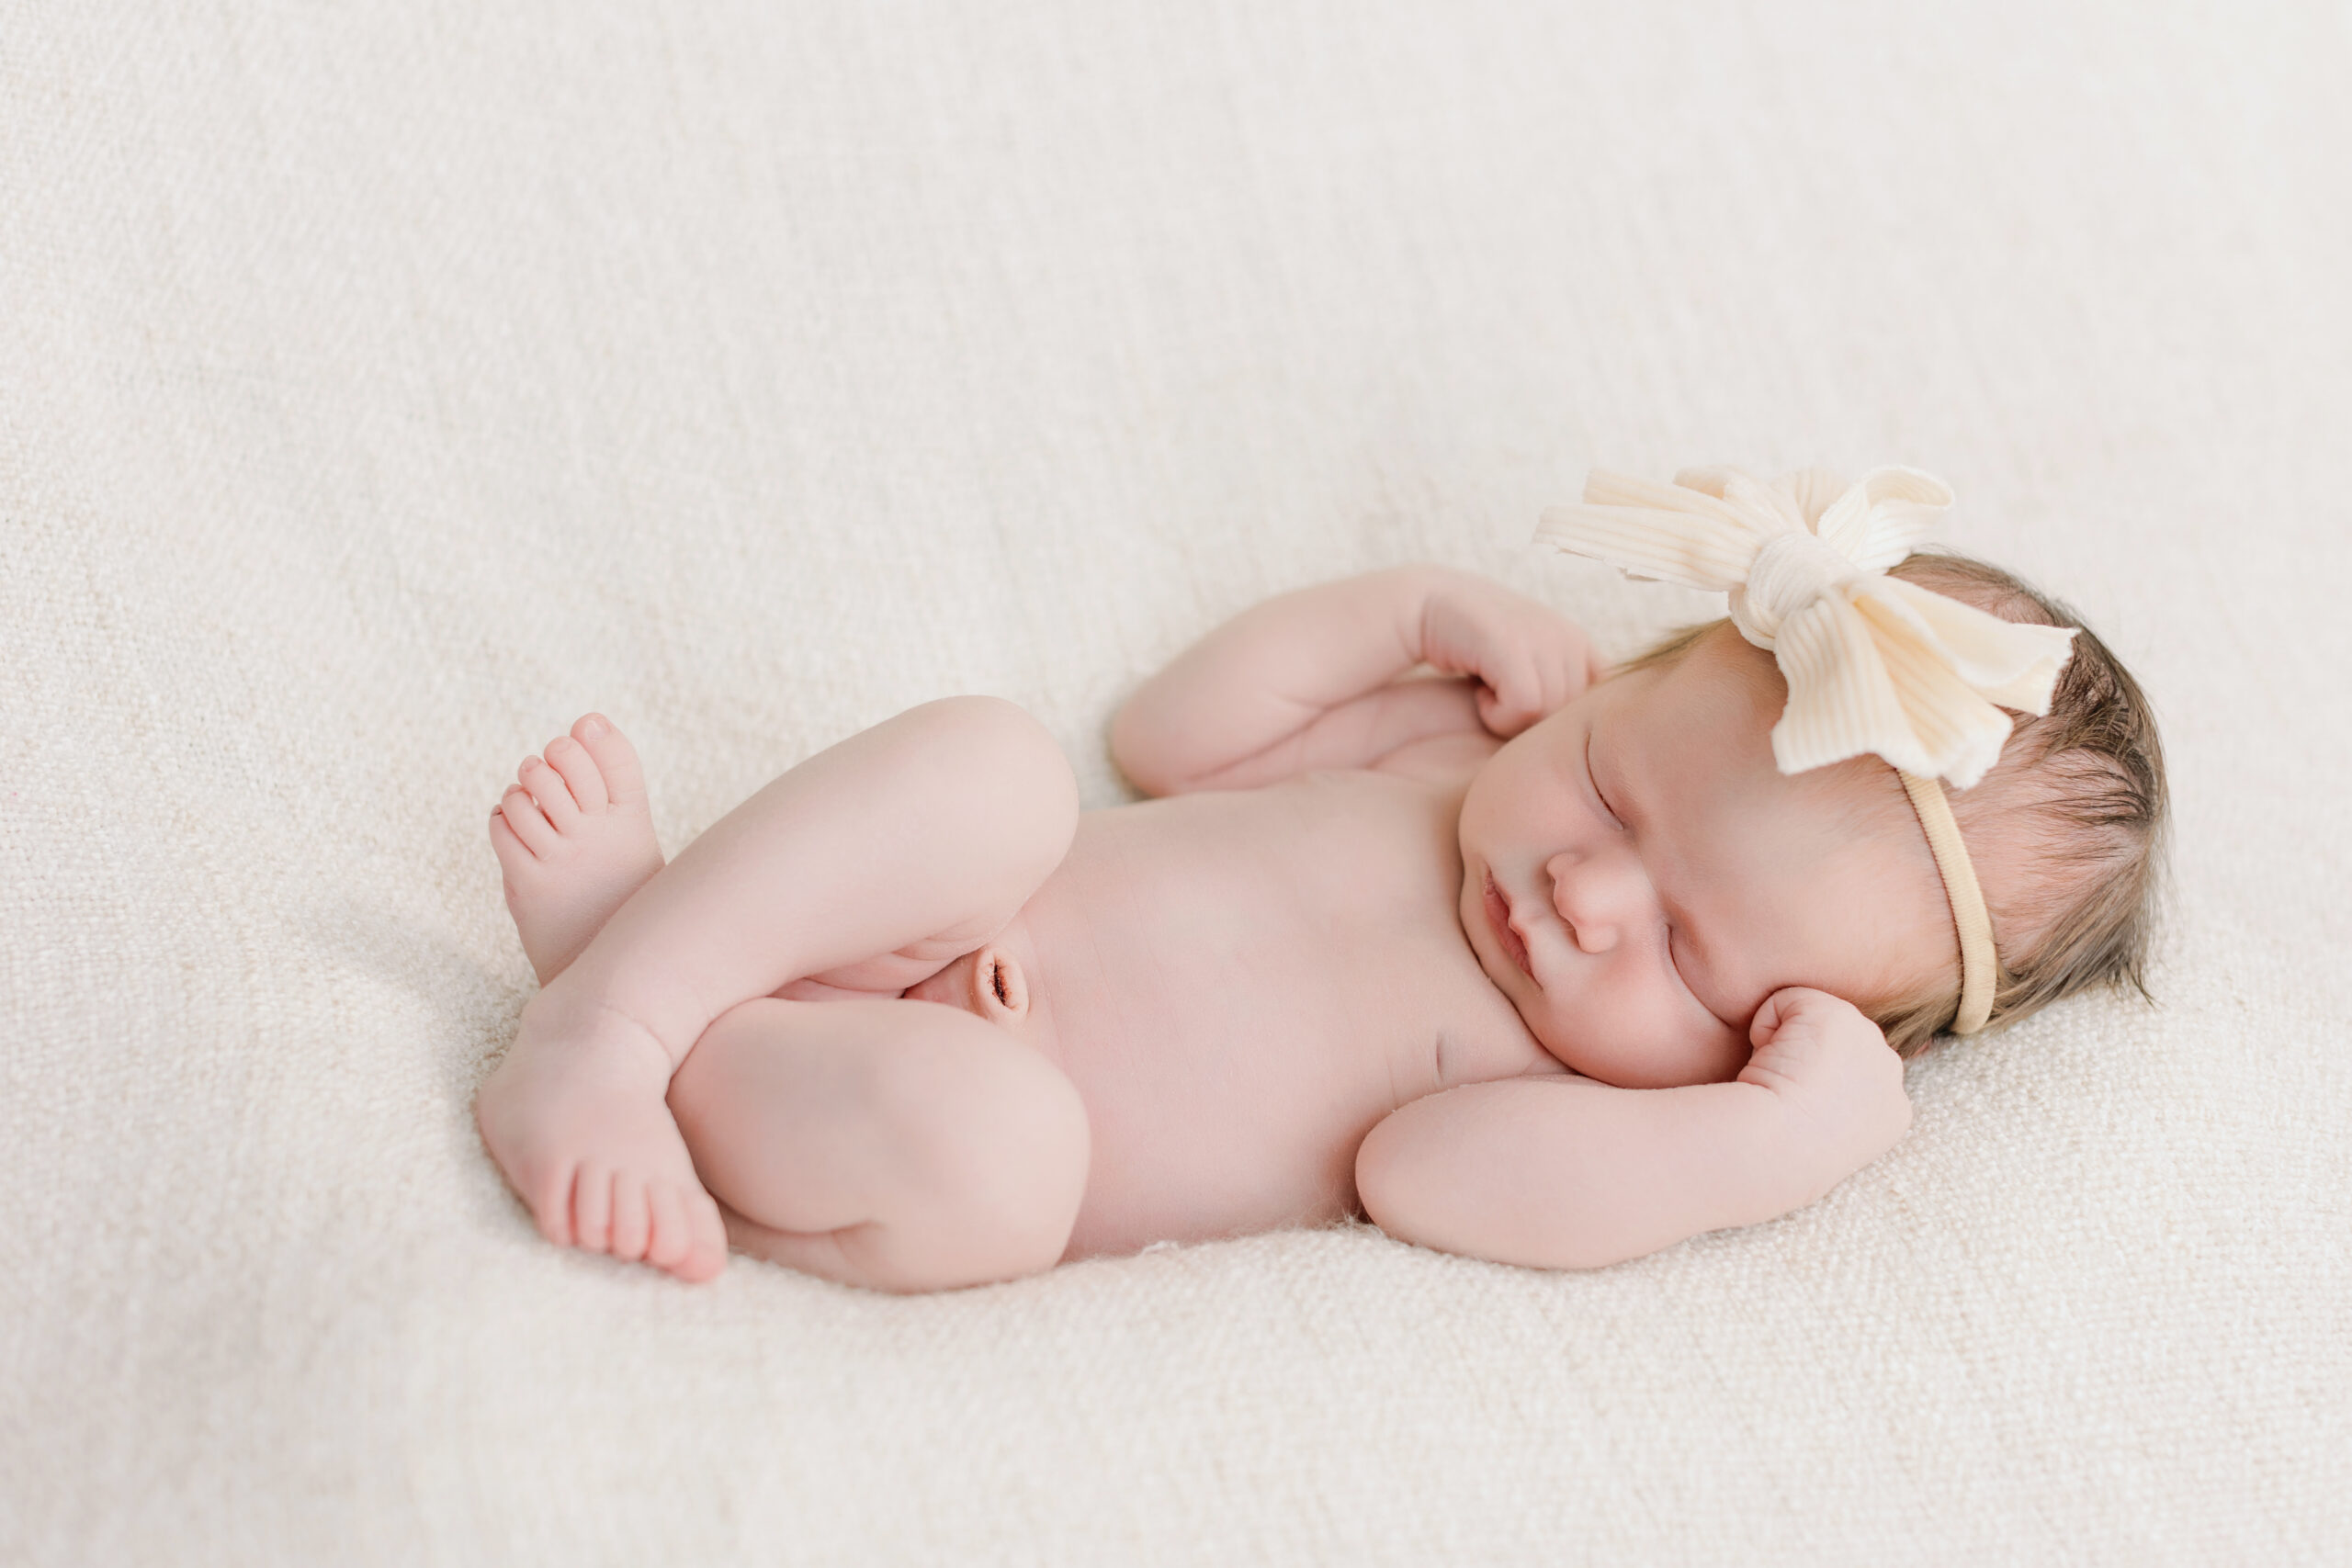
(1790, 572)
(1874, 664)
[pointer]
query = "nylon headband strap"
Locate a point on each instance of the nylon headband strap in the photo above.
(1978, 964)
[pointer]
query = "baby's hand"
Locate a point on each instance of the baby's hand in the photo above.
(1530, 660)
(1833, 1068)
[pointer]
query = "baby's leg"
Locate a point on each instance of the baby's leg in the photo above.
(871, 864)
(899, 1145)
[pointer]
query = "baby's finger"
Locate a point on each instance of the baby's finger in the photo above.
(1584, 667)
(1517, 693)
(1499, 713)
(1784, 1007)
(1563, 678)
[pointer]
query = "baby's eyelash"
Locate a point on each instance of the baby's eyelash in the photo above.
(1674, 966)
(1594, 780)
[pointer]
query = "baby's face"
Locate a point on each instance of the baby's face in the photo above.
(1638, 876)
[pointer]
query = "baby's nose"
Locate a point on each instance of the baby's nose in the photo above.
(1581, 899)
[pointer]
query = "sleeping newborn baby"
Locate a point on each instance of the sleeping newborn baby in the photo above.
(1426, 920)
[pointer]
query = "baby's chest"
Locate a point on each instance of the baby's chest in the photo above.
(1294, 946)
(1242, 987)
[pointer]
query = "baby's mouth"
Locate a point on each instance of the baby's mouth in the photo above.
(1498, 920)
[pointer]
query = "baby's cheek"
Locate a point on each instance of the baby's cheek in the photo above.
(1576, 1045)
(1710, 1054)
(1638, 1048)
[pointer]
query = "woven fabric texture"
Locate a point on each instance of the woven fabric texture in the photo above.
(383, 385)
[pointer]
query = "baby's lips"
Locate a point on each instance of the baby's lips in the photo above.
(1506, 935)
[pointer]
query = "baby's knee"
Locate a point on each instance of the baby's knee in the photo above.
(1005, 732)
(1013, 765)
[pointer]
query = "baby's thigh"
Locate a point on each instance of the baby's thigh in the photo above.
(901, 1144)
(978, 806)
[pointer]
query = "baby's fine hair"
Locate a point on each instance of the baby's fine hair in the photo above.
(2080, 790)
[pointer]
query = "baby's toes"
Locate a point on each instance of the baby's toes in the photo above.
(688, 1238)
(526, 823)
(550, 1204)
(707, 1253)
(546, 787)
(592, 1207)
(631, 1220)
(666, 1237)
(617, 764)
(511, 851)
(570, 758)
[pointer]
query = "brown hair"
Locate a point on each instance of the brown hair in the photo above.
(2075, 811)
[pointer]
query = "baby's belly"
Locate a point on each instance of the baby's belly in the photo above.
(1232, 1047)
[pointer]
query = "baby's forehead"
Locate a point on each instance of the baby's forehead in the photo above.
(1711, 710)
(1721, 670)
(1819, 878)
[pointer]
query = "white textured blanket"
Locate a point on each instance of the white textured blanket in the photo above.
(384, 384)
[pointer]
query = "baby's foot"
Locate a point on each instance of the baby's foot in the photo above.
(577, 1119)
(575, 838)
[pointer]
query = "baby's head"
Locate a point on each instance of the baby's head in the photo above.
(1655, 876)
(2066, 832)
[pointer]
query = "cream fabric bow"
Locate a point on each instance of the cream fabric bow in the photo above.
(1873, 663)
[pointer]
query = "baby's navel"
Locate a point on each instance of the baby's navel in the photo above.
(999, 989)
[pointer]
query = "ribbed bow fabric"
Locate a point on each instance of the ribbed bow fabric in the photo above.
(1874, 664)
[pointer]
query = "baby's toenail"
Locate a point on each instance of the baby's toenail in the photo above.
(591, 727)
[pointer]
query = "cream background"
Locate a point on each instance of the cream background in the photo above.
(383, 384)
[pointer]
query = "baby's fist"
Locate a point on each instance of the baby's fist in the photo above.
(1529, 659)
(1834, 1070)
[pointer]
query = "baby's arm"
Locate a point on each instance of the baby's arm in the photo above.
(1311, 680)
(1567, 1173)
